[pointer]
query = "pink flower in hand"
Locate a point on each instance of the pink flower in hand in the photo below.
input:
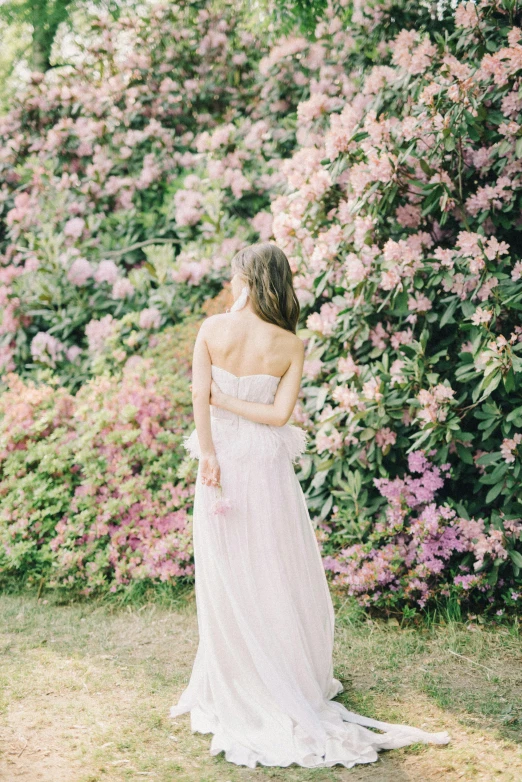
(220, 507)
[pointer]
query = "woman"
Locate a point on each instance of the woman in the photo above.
(262, 680)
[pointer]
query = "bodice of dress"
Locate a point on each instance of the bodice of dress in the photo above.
(252, 388)
(237, 436)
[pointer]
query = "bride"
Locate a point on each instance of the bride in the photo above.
(262, 681)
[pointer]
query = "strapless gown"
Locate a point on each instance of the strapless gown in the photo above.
(262, 680)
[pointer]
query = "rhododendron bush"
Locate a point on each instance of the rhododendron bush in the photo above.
(401, 220)
(128, 182)
(95, 187)
(96, 492)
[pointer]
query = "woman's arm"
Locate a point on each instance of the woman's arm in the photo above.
(201, 379)
(275, 414)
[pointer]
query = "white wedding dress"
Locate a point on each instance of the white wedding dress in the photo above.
(262, 680)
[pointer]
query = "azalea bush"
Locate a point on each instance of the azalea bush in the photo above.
(401, 222)
(418, 550)
(96, 492)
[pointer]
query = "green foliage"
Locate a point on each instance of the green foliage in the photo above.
(96, 488)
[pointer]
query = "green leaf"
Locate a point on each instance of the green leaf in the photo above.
(467, 308)
(448, 315)
(426, 168)
(488, 385)
(489, 458)
(464, 453)
(509, 381)
(516, 557)
(320, 399)
(494, 492)
(462, 511)
(321, 284)
(514, 414)
(325, 510)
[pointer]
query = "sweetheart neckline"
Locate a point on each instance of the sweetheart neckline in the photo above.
(242, 377)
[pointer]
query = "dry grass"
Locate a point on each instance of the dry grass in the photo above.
(86, 692)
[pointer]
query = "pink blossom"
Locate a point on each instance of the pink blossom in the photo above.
(413, 53)
(98, 332)
(150, 318)
(446, 257)
(469, 243)
(409, 216)
(72, 353)
(312, 368)
(466, 14)
(74, 227)
(419, 303)
(325, 320)
(379, 337)
(46, 348)
(396, 371)
(404, 337)
(221, 507)
(188, 205)
(107, 271)
(508, 449)
(317, 105)
(347, 398)
(80, 271)
(122, 288)
(494, 248)
(484, 292)
(516, 272)
(329, 442)
(262, 223)
(190, 271)
(481, 316)
(384, 437)
(371, 389)
(355, 269)
(347, 367)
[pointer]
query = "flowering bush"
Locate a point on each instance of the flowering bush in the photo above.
(419, 549)
(94, 197)
(96, 490)
(384, 156)
(401, 224)
(115, 202)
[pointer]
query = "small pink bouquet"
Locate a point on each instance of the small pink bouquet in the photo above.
(221, 506)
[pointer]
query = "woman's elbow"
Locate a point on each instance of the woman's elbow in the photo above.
(281, 419)
(200, 395)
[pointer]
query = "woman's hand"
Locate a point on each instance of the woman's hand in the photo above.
(216, 394)
(210, 471)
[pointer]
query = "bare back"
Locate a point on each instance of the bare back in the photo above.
(244, 344)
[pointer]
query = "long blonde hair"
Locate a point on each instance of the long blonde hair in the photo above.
(267, 273)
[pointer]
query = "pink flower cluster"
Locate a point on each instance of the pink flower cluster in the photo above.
(123, 514)
(412, 553)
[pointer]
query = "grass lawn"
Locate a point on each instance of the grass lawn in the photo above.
(85, 692)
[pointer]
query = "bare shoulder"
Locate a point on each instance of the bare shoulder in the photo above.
(212, 324)
(295, 345)
(292, 342)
